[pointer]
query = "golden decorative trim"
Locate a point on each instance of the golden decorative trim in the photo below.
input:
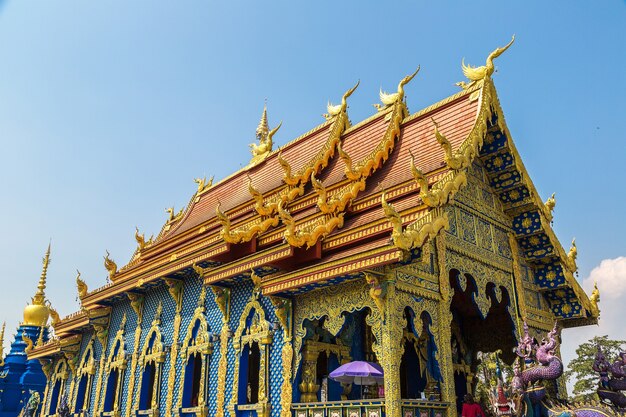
(350, 265)
(308, 236)
(416, 234)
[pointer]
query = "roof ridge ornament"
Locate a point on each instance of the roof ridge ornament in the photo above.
(264, 135)
(81, 286)
(335, 110)
(110, 266)
(390, 99)
(475, 74)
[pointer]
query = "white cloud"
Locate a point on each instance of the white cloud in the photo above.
(611, 278)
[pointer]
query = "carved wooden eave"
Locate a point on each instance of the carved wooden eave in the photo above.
(350, 266)
(73, 323)
(50, 349)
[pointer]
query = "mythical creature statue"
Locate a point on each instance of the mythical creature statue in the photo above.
(612, 378)
(541, 364)
(376, 291)
(30, 409)
(475, 74)
(388, 99)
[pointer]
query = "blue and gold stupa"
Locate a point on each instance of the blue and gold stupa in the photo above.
(19, 375)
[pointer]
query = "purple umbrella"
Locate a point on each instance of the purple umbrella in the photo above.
(358, 372)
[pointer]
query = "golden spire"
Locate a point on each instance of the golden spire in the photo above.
(36, 314)
(40, 296)
(263, 129)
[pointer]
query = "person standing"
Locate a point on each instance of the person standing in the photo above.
(471, 408)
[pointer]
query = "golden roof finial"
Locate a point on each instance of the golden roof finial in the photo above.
(475, 74)
(40, 296)
(263, 129)
(264, 135)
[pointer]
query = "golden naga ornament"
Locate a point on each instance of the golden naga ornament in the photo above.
(335, 110)
(203, 185)
(443, 191)
(549, 207)
(110, 265)
(390, 99)
(571, 256)
(81, 286)
(264, 136)
(475, 74)
(416, 234)
(595, 296)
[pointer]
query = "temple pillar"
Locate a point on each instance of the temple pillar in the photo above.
(308, 386)
(392, 350)
(444, 330)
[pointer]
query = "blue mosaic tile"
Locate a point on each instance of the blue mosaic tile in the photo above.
(527, 223)
(515, 195)
(498, 162)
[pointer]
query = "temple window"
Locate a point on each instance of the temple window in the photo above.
(151, 361)
(252, 368)
(252, 343)
(112, 388)
(116, 366)
(196, 350)
(58, 384)
(85, 373)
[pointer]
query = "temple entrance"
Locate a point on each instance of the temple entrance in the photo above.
(417, 379)
(322, 353)
(471, 332)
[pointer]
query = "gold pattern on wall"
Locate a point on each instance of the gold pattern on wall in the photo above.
(222, 368)
(136, 302)
(416, 234)
(175, 288)
(283, 308)
(60, 375)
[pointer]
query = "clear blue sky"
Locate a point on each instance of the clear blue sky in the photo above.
(109, 109)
